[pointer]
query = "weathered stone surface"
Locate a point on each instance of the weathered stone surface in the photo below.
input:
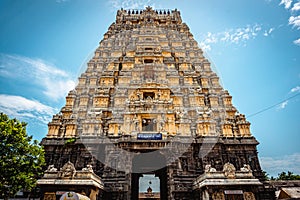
(57, 182)
(148, 76)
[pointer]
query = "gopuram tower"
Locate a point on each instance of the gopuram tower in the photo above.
(149, 103)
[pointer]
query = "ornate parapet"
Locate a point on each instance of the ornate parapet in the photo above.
(68, 175)
(228, 177)
(84, 180)
(148, 15)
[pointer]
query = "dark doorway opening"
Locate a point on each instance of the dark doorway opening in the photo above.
(148, 60)
(149, 163)
(149, 94)
(148, 125)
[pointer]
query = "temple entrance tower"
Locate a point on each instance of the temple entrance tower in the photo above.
(149, 103)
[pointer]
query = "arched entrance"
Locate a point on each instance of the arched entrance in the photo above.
(149, 163)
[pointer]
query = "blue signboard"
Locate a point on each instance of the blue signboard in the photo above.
(149, 136)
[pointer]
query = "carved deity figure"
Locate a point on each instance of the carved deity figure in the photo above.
(136, 123)
(159, 94)
(229, 170)
(88, 168)
(165, 94)
(179, 114)
(68, 170)
(51, 168)
(49, 196)
(208, 169)
(139, 94)
(246, 168)
(218, 196)
(249, 196)
(162, 123)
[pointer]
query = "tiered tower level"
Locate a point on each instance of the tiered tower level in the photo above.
(149, 89)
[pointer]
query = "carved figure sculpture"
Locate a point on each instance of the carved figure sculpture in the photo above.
(229, 170)
(51, 168)
(208, 169)
(249, 196)
(68, 170)
(88, 168)
(218, 196)
(246, 168)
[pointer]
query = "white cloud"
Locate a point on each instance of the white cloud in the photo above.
(268, 32)
(297, 42)
(295, 21)
(204, 46)
(283, 105)
(59, 88)
(287, 3)
(296, 6)
(232, 36)
(22, 108)
(55, 83)
(130, 4)
(275, 165)
(296, 89)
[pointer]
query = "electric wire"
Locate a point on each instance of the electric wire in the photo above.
(270, 107)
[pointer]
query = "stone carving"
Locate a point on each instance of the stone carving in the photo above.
(162, 123)
(246, 168)
(51, 168)
(229, 170)
(49, 196)
(208, 169)
(136, 123)
(249, 196)
(218, 196)
(68, 170)
(186, 101)
(88, 168)
(179, 114)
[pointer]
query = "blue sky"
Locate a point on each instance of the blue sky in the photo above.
(254, 46)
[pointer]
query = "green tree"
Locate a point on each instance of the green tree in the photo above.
(21, 159)
(266, 175)
(288, 176)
